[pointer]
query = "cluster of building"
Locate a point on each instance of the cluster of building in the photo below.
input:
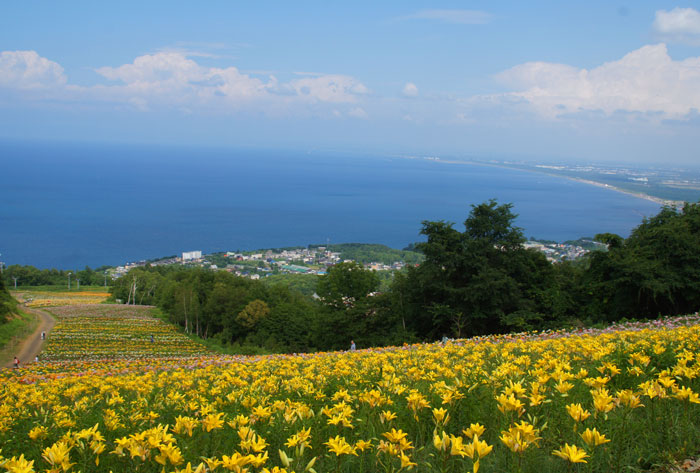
(191, 256)
(313, 256)
(255, 265)
(315, 260)
(559, 251)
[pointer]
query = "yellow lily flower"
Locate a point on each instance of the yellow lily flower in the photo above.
(571, 453)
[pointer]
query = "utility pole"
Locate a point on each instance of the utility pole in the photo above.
(69, 273)
(15, 279)
(105, 279)
(78, 279)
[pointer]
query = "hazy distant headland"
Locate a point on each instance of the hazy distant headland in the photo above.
(662, 186)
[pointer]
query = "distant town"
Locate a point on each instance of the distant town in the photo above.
(315, 260)
(259, 263)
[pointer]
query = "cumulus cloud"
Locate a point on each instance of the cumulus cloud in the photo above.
(410, 89)
(679, 25)
(174, 79)
(465, 17)
(153, 68)
(174, 76)
(171, 76)
(28, 70)
(645, 81)
(332, 88)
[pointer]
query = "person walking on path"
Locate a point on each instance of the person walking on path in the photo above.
(16, 363)
(352, 345)
(32, 344)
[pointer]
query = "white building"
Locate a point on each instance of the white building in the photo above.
(190, 255)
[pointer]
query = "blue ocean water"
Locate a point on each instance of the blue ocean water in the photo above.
(71, 205)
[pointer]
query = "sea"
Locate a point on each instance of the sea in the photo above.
(68, 205)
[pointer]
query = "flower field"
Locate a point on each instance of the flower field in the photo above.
(620, 399)
(38, 299)
(114, 332)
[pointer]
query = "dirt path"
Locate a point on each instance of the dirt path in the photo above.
(31, 346)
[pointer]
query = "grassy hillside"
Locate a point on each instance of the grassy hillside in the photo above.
(622, 398)
(14, 324)
(7, 304)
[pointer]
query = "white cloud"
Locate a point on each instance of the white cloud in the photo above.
(410, 89)
(204, 49)
(644, 81)
(329, 88)
(175, 80)
(28, 70)
(172, 77)
(153, 68)
(357, 112)
(465, 17)
(680, 25)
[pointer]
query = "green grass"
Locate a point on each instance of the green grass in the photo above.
(14, 332)
(215, 345)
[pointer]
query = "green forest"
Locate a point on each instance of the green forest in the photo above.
(31, 276)
(472, 281)
(7, 304)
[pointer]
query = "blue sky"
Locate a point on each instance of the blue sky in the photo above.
(588, 81)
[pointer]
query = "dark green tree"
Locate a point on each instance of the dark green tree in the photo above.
(6, 303)
(481, 280)
(290, 324)
(88, 277)
(656, 271)
(346, 283)
(346, 303)
(253, 313)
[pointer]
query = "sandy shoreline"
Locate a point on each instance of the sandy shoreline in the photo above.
(639, 195)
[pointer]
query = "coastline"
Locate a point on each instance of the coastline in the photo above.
(639, 195)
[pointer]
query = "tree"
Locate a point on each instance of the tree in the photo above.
(656, 271)
(290, 324)
(492, 224)
(481, 280)
(346, 283)
(88, 277)
(6, 303)
(346, 305)
(138, 286)
(253, 313)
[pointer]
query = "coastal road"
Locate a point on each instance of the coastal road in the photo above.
(31, 346)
